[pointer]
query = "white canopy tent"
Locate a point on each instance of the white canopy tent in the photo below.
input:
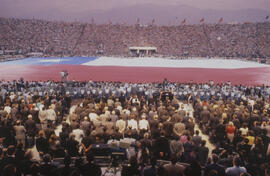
(145, 50)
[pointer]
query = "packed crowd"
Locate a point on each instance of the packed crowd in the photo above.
(144, 122)
(69, 39)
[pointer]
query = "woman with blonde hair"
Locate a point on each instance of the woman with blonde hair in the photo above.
(230, 129)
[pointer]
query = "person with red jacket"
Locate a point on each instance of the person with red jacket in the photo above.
(230, 129)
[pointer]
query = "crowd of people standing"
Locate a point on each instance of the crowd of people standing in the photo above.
(147, 122)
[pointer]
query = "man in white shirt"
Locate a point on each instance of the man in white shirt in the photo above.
(7, 109)
(42, 115)
(133, 123)
(236, 169)
(51, 115)
(144, 124)
(93, 115)
(120, 125)
(78, 133)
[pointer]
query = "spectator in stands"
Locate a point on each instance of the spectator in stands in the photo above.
(230, 131)
(193, 169)
(20, 133)
(42, 144)
(132, 168)
(47, 168)
(151, 171)
(72, 146)
(67, 169)
(173, 169)
(202, 153)
(220, 170)
(236, 170)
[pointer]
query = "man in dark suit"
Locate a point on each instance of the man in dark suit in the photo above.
(173, 169)
(9, 158)
(203, 153)
(90, 167)
(30, 126)
(151, 171)
(214, 166)
(205, 116)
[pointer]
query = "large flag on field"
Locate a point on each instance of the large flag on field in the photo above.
(145, 69)
(136, 62)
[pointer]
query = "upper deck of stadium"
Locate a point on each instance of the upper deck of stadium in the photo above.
(249, 40)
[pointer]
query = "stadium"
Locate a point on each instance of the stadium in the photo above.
(116, 99)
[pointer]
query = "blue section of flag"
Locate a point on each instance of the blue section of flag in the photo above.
(50, 61)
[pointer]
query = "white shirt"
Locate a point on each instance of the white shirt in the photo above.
(40, 107)
(133, 123)
(51, 115)
(7, 109)
(143, 124)
(121, 125)
(244, 131)
(78, 133)
(93, 116)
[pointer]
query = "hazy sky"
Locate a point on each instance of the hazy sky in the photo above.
(28, 7)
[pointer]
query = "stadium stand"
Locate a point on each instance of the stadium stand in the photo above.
(78, 39)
